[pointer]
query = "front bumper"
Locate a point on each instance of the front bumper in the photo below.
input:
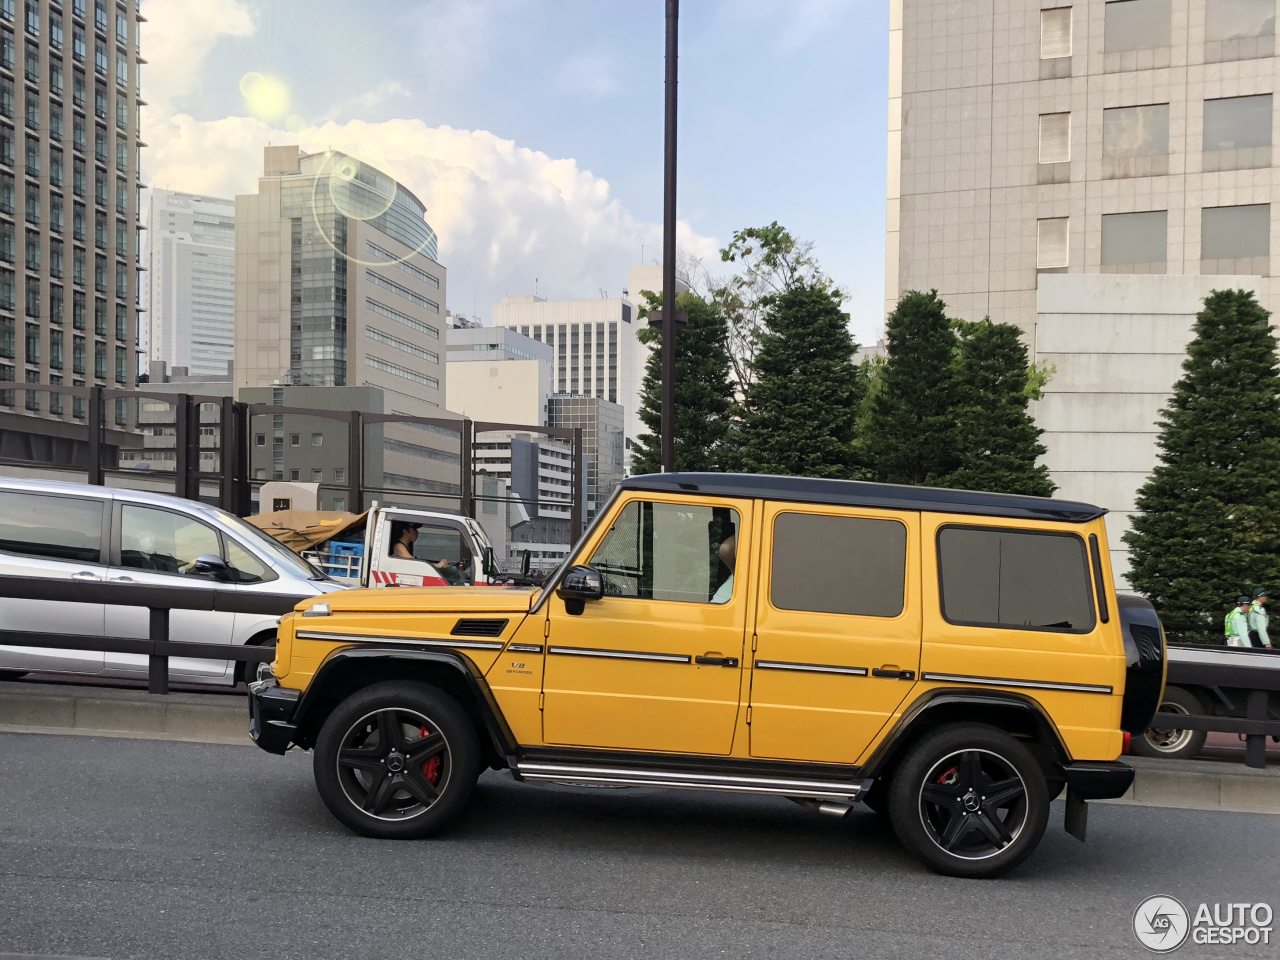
(1099, 780)
(271, 712)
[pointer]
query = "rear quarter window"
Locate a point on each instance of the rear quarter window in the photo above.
(831, 564)
(1014, 579)
(51, 527)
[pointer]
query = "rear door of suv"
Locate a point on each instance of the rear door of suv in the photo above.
(58, 537)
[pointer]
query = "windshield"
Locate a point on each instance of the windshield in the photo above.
(277, 551)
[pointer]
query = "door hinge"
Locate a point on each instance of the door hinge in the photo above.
(755, 640)
(748, 714)
(541, 699)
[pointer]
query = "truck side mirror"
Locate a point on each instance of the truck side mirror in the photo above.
(490, 564)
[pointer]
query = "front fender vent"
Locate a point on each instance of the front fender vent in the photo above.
(478, 628)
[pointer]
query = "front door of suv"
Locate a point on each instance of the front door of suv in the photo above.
(656, 664)
(838, 629)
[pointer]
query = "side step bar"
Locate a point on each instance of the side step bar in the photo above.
(567, 773)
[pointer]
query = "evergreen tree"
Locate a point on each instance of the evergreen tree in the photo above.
(1208, 520)
(998, 442)
(801, 412)
(911, 433)
(704, 393)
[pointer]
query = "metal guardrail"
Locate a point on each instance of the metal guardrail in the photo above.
(159, 600)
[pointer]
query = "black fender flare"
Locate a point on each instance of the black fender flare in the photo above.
(927, 707)
(335, 672)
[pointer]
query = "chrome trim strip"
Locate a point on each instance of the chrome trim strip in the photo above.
(810, 667)
(361, 638)
(1029, 684)
(620, 654)
(525, 648)
(568, 773)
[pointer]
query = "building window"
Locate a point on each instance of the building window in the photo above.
(6, 98)
(1235, 240)
(33, 396)
(1135, 242)
(55, 399)
(122, 71)
(79, 180)
(100, 103)
(100, 274)
(1055, 137)
(122, 322)
(339, 503)
(33, 63)
(100, 187)
(55, 304)
(100, 145)
(55, 123)
(122, 29)
(100, 15)
(55, 30)
(100, 232)
(1239, 29)
(1052, 243)
(33, 343)
(78, 311)
(32, 117)
(260, 440)
(55, 76)
(33, 18)
(1135, 140)
(1237, 133)
(77, 354)
(7, 346)
(33, 250)
(100, 58)
(1136, 35)
(6, 49)
(78, 135)
(55, 258)
(55, 350)
(77, 89)
(33, 157)
(55, 213)
(339, 476)
(78, 222)
(1055, 33)
(122, 113)
(122, 282)
(122, 196)
(122, 365)
(100, 361)
(317, 439)
(404, 346)
(295, 439)
(122, 154)
(33, 207)
(100, 318)
(295, 474)
(317, 475)
(6, 10)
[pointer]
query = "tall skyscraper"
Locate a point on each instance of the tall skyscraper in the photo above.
(69, 96)
(190, 282)
(1088, 171)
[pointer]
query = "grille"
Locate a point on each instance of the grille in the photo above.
(478, 628)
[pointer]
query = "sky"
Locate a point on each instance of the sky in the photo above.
(532, 129)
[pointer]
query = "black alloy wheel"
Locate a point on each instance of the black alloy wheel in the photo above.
(397, 760)
(970, 801)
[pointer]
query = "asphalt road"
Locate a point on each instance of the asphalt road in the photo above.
(134, 848)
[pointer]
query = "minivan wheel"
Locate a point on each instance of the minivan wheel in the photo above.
(397, 760)
(1164, 738)
(969, 801)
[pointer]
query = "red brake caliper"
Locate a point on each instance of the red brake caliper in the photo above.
(949, 777)
(431, 769)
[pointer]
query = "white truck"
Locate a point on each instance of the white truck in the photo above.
(448, 550)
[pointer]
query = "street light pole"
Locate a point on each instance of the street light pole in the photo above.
(669, 248)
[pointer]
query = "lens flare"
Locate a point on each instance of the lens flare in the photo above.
(295, 123)
(266, 97)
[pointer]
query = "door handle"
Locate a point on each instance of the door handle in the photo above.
(893, 673)
(123, 580)
(709, 661)
(84, 575)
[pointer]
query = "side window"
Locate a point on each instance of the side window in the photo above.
(670, 551)
(52, 528)
(160, 540)
(441, 545)
(1014, 579)
(850, 565)
(245, 567)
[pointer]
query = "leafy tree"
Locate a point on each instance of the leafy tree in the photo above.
(1207, 525)
(801, 410)
(771, 261)
(910, 425)
(703, 395)
(998, 442)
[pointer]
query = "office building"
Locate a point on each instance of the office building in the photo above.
(1088, 171)
(338, 288)
(601, 423)
(498, 375)
(536, 475)
(68, 207)
(190, 280)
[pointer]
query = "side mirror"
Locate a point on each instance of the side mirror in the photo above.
(490, 564)
(581, 583)
(208, 563)
(524, 563)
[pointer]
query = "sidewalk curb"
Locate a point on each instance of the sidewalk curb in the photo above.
(217, 718)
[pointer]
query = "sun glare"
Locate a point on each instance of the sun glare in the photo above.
(266, 97)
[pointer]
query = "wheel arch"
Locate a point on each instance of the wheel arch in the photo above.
(348, 670)
(260, 639)
(1012, 713)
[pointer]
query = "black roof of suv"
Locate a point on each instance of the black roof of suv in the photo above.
(859, 493)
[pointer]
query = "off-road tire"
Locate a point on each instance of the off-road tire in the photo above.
(972, 766)
(358, 728)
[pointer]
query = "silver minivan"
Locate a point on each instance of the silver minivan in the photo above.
(76, 532)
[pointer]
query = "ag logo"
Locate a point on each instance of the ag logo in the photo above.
(1161, 924)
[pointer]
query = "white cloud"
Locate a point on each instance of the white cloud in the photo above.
(592, 74)
(457, 36)
(179, 35)
(363, 103)
(505, 214)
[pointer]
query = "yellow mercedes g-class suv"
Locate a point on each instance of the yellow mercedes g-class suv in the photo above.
(952, 659)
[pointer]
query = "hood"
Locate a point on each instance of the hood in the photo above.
(429, 600)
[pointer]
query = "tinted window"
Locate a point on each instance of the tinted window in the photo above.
(669, 551)
(1012, 579)
(55, 528)
(1137, 25)
(1129, 238)
(1237, 123)
(1232, 233)
(838, 565)
(164, 541)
